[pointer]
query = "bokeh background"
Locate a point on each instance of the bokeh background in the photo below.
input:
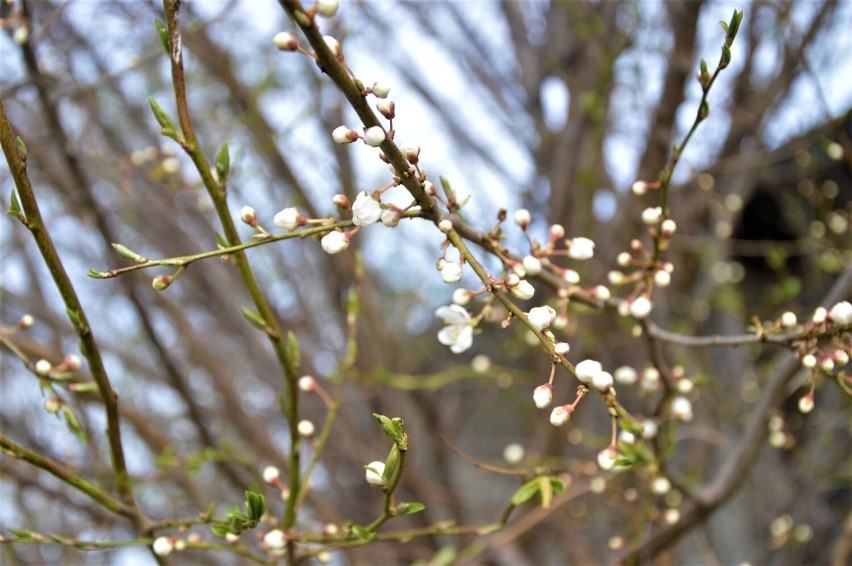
(557, 107)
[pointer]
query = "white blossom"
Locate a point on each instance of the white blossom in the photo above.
(523, 290)
(532, 264)
(820, 315)
(374, 136)
(523, 217)
(626, 375)
(327, 8)
(275, 539)
(543, 395)
(513, 453)
(560, 415)
(662, 278)
(581, 248)
(681, 408)
(607, 457)
(271, 474)
(163, 546)
(458, 334)
(788, 319)
(541, 317)
(451, 272)
(344, 135)
(381, 90)
(374, 473)
(561, 348)
(841, 313)
(287, 219)
(651, 216)
(602, 381)
(306, 428)
(366, 210)
(587, 370)
(334, 242)
(640, 307)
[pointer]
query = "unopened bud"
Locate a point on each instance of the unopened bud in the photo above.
(341, 201)
(43, 367)
(374, 136)
(285, 41)
(249, 216)
(557, 232)
(344, 135)
(381, 90)
(523, 218)
(667, 228)
(445, 225)
(26, 321)
(334, 46)
(271, 475)
(462, 296)
(639, 188)
(306, 428)
(412, 154)
(543, 395)
(561, 348)
(327, 8)
(386, 108)
(560, 415)
(307, 383)
(788, 319)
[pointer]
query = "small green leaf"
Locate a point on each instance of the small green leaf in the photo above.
(14, 209)
(164, 35)
(254, 318)
(448, 189)
(392, 427)
(127, 253)
(557, 484)
(22, 147)
(221, 242)
(255, 505)
(23, 534)
(223, 163)
(168, 127)
(409, 508)
(526, 491)
(219, 530)
(361, 533)
(84, 387)
(95, 274)
(391, 464)
(726, 57)
(73, 423)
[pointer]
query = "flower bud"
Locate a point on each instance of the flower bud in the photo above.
(451, 272)
(374, 473)
(306, 428)
(806, 403)
(626, 375)
(662, 278)
(639, 188)
(285, 41)
(429, 188)
(512, 280)
(681, 409)
(249, 216)
(608, 457)
(327, 8)
(623, 259)
(587, 370)
(381, 90)
(601, 292)
(43, 367)
(288, 219)
(390, 218)
(561, 348)
(532, 265)
(561, 414)
(543, 395)
(581, 248)
(651, 216)
(386, 108)
(667, 228)
(602, 381)
(523, 218)
(307, 383)
(809, 361)
(231, 538)
(52, 405)
(445, 225)
(462, 296)
(374, 136)
(344, 135)
(71, 362)
(161, 282)
(557, 232)
(820, 314)
(570, 276)
(163, 546)
(841, 357)
(275, 539)
(271, 475)
(841, 313)
(640, 307)
(541, 317)
(26, 321)
(335, 242)
(341, 201)
(412, 154)
(523, 290)
(513, 453)
(788, 319)
(333, 46)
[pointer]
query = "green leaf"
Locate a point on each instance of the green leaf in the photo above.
(361, 533)
(168, 127)
(392, 427)
(448, 189)
(73, 424)
(223, 163)
(409, 508)
(23, 534)
(14, 209)
(391, 464)
(254, 318)
(526, 491)
(726, 57)
(557, 485)
(127, 253)
(221, 242)
(22, 147)
(255, 505)
(219, 530)
(164, 35)
(545, 492)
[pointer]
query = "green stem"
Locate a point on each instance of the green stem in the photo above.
(88, 346)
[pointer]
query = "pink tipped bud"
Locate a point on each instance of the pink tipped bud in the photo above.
(557, 232)
(608, 457)
(523, 218)
(381, 90)
(327, 8)
(386, 108)
(667, 228)
(806, 403)
(561, 414)
(374, 136)
(512, 280)
(307, 383)
(412, 154)
(639, 188)
(285, 41)
(344, 135)
(249, 216)
(26, 321)
(271, 475)
(341, 201)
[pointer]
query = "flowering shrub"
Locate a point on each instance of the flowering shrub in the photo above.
(539, 291)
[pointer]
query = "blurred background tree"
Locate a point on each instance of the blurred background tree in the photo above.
(554, 106)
